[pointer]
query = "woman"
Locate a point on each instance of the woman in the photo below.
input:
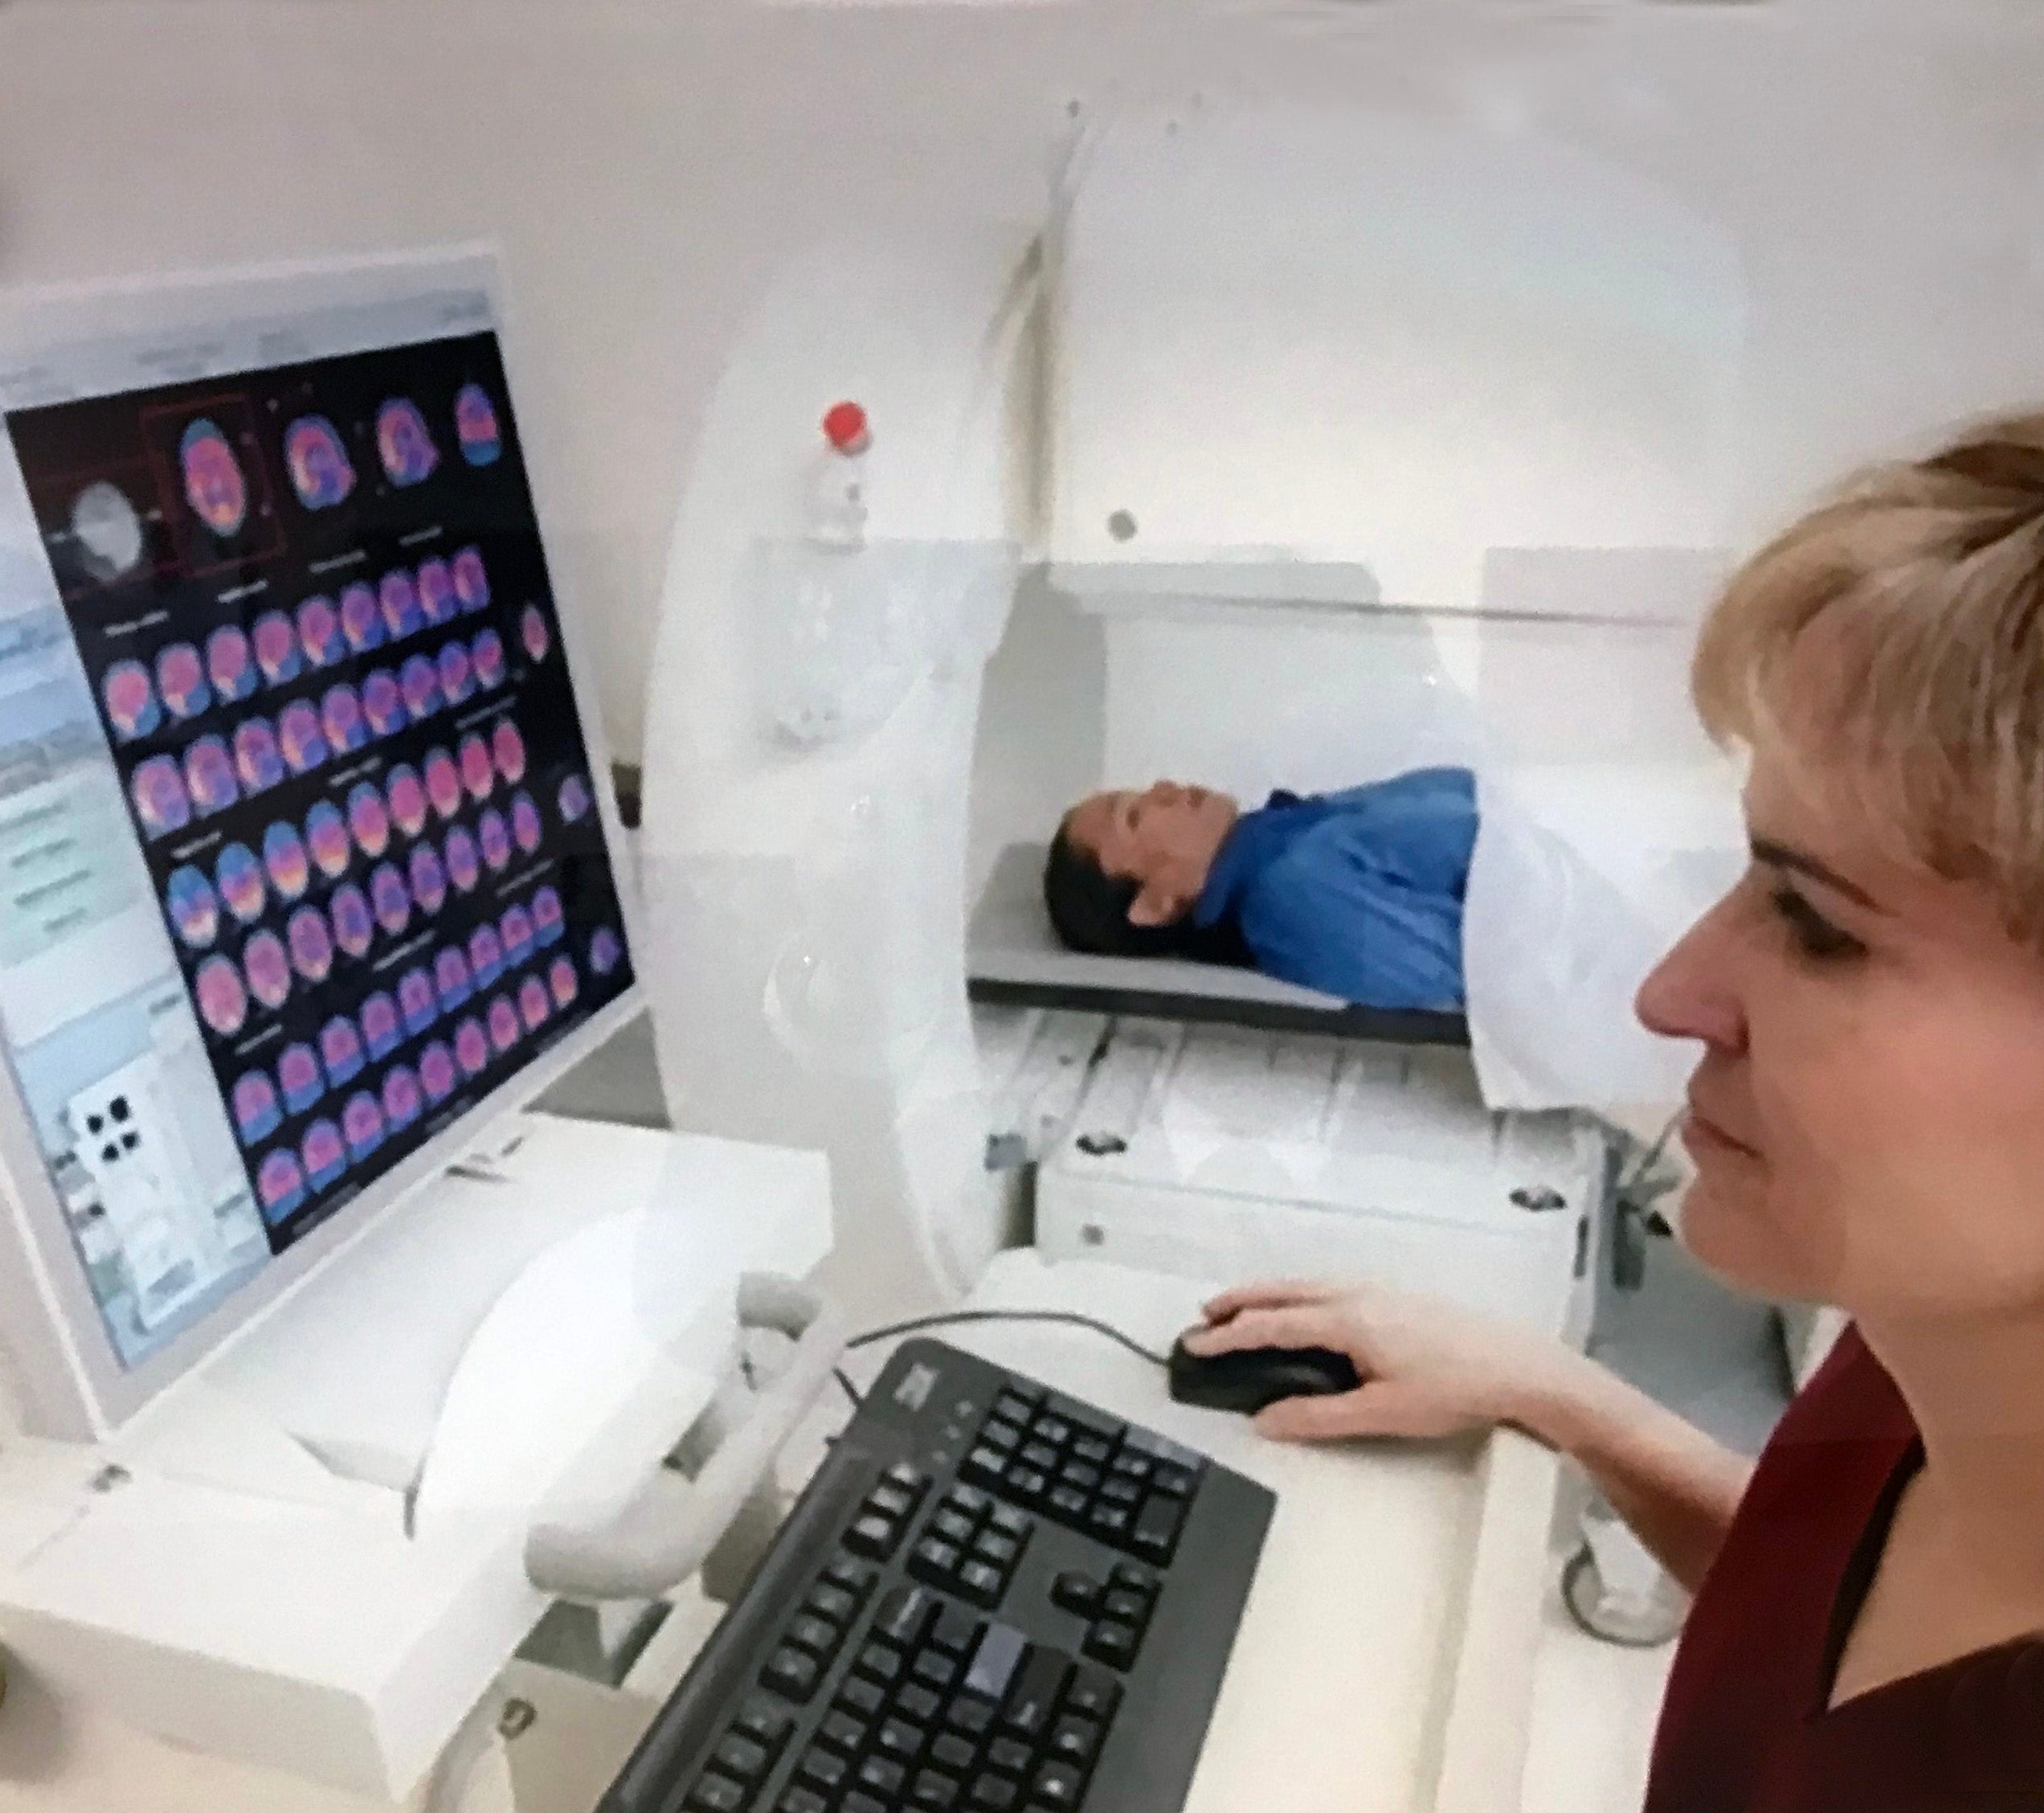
(1867, 1124)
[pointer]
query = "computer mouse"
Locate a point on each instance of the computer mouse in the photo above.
(1247, 1381)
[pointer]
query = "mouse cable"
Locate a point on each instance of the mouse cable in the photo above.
(955, 1317)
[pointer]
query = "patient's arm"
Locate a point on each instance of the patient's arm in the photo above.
(1432, 1370)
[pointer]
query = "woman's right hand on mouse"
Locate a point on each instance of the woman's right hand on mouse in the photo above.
(1429, 1369)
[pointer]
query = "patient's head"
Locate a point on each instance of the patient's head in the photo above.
(1127, 869)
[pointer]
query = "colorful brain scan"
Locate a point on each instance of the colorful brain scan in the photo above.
(486, 656)
(194, 908)
(605, 951)
(406, 795)
(281, 1186)
(429, 881)
(341, 712)
(361, 1125)
(504, 1026)
(321, 472)
(230, 664)
(472, 1050)
(533, 1006)
(302, 737)
(457, 678)
(383, 703)
(312, 943)
(214, 486)
(324, 1153)
(355, 925)
(319, 632)
(222, 1001)
(494, 835)
(475, 425)
(369, 819)
(478, 772)
(181, 681)
(575, 800)
(326, 836)
(485, 955)
(404, 443)
(399, 599)
(109, 532)
(507, 751)
(238, 876)
(443, 782)
(255, 1111)
(418, 1001)
(419, 680)
(451, 979)
(383, 1029)
(162, 804)
(361, 619)
(267, 969)
(548, 921)
(436, 596)
(464, 862)
(258, 760)
(209, 776)
(284, 856)
(403, 1102)
(129, 696)
(436, 1072)
(472, 584)
(563, 982)
(526, 824)
(516, 926)
(341, 1051)
(533, 632)
(390, 899)
(277, 650)
(300, 1078)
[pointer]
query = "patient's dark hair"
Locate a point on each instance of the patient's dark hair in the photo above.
(1090, 912)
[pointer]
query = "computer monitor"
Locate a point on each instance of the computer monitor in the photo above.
(305, 837)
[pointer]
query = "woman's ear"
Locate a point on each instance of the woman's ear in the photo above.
(1156, 906)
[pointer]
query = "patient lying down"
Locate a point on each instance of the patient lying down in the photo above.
(1357, 895)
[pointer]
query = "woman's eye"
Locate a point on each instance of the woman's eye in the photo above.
(1815, 936)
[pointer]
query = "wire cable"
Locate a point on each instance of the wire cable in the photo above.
(954, 1318)
(851, 1390)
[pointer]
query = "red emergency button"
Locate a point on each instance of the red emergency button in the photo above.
(846, 429)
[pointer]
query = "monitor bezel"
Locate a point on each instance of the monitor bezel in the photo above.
(77, 1388)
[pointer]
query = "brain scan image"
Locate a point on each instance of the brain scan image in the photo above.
(429, 881)
(405, 444)
(341, 1051)
(129, 696)
(451, 979)
(548, 921)
(266, 969)
(368, 819)
(300, 1078)
(181, 681)
(472, 584)
(325, 1154)
(321, 472)
(443, 782)
(284, 857)
(239, 875)
(361, 1125)
(436, 596)
(326, 836)
(464, 862)
(486, 656)
(355, 925)
(406, 794)
(485, 955)
(478, 772)
(383, 703)
(605, 952)
(383, 1029)
(108, 531)
(319, 632)
(222, 1001)
(302, 737)
(230, 664)
(436, 1072)
(563, 982)
(494, 835)
(341, 712)
(255, 1111)
(281, 1186)
(533, 1006)
(390, 899)
(504, 1026)
(215, 485)
(209, 775)
(507, 751)
(418, 1001)
(403, 1101)
(516, 926)
(312, 944)
(475, 425)
(278, 653)
(194, 908)
(533, 632)
(472, 1050)
(575, 800)
(361, 619)
(158, 788)
(526, 825)
(258, 760)
(399, 599)
(457, 678)
(420, 682)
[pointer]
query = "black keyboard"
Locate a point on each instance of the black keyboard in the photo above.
(990, 1599)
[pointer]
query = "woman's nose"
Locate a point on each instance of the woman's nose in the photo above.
(1692, 994)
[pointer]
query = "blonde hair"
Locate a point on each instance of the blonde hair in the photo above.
(1916, 596)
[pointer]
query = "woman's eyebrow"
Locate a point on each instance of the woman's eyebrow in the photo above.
(1780, 856)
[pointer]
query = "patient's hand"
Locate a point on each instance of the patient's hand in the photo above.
(1429, 1369)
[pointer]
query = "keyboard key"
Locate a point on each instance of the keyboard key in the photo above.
(1125, 1607)
(802, 1800)
(716, 1794)
(834, 1603)
(1155, 1533)
(766, 1723)
(1076, 1741)
(1076, 1593)
(844, 1733)
(1092, 1695)
(995, 1664)
(1042, 1456)
(1092, 1450)
(1119, 1490)
(822, 1769)
(1011, 1523)
(877, 1662)
(1025, 1482)
(1133, 1466)
(949, 1526)
(864, 1804)
(974, 1718)
(1079, 1478)
(1003, 1435)
(1068, 1502)
(935, 1790)
(1112, 1642)
(1173, 1482)
(934, 1561)
(982, 1583)
(1132, 1576)
(997, 1551)
(891, 1502)
(937, 1669)
(1160, 1448)
(901, 1740)
(851, 1576)
(1058, 1786)
(862, 1699)
(968, 1501)
(814, 1635)
(1010, 1757)
(955, 1751)
(1015, 1406)
(882, 1777)
(955, 1631)
(791, 1674)
(907, 1478)
(985, 1464)
(995, 1793)
(1033, 1702)
(904, 1615)
(1109, 1520)
(873, 1536)
(918, 1705)
(741, 1759)
(1052, 1429)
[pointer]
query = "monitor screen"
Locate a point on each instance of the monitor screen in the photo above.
(300, 854)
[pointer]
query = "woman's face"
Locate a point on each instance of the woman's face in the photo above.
(1868, 1120)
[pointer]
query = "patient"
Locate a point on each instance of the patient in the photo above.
(1357, 895)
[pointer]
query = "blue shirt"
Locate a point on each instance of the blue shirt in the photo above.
(1357, 895)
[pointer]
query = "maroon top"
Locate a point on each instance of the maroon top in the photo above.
(1745, 1727)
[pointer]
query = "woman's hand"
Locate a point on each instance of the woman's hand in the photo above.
(1428, 1369)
